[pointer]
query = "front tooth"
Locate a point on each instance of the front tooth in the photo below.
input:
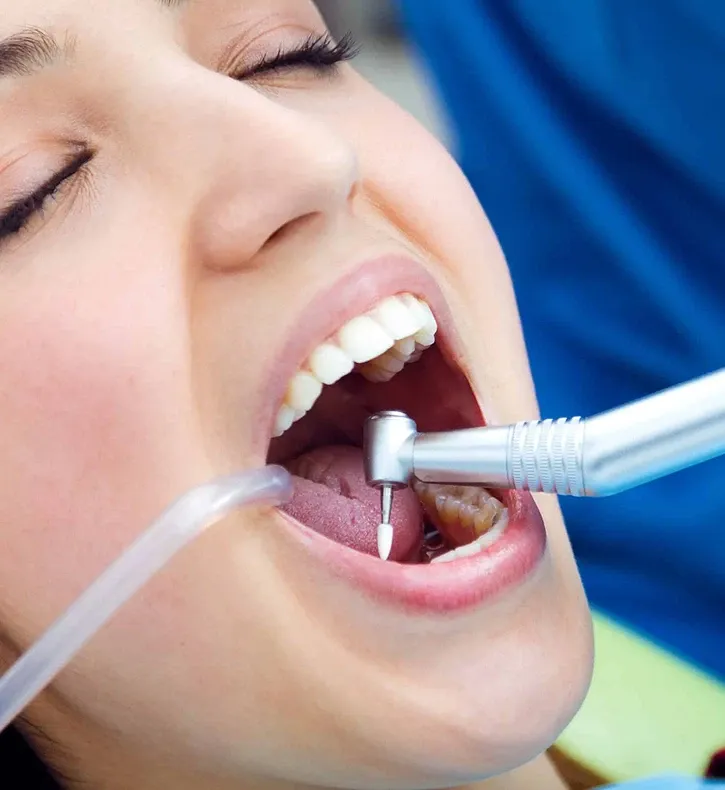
(462, 551)
(394, 333)
(403, 349)
(417, 308)
(397, 319)
(304, 389)
(363, 339)
(424, 338)
(382, 368)
(376, 375)
(388, 362)
(330, 363)
(430, 322)
(469, 549)
(285, 418)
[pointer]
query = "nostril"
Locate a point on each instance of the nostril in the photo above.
(275, 237)
(287, 229)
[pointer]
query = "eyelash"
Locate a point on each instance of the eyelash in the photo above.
(15, 219)
(319, 53)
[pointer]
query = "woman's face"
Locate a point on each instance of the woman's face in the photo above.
(186, 220)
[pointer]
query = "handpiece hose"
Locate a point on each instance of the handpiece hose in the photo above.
(607, 454)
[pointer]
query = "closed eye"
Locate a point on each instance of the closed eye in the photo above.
(17, 216)
(319, 52)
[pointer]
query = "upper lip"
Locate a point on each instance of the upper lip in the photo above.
(444, 587)
(357, 291)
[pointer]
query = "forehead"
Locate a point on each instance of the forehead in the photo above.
(113, 18)
(13, 13)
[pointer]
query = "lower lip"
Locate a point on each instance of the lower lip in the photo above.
(441, 587)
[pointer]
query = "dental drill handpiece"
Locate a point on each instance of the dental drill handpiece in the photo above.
(599, 456)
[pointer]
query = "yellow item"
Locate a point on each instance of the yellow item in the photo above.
(647, 712)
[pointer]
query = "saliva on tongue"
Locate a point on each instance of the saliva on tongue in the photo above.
(332, 497)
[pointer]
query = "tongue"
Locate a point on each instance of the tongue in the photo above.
(332, 497)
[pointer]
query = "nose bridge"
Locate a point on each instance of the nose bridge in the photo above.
(313, 158)
(264, 166)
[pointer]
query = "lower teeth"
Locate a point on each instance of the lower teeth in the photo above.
(478, 545)
(468, 516)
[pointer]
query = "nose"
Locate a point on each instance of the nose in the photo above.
(267, 169)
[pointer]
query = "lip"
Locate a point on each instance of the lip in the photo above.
(440, 587)
(358, 291)
(434, 588)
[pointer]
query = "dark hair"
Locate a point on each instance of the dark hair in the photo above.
(20, 767)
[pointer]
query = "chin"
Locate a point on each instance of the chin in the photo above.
(467, 651)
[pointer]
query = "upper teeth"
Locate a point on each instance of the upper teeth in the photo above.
(381, 342)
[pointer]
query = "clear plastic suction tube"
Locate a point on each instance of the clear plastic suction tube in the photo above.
(187, 518)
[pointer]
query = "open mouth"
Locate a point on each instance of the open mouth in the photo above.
(391, 357)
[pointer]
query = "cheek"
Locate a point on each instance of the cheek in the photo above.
(419, 188)
(93, 411)
(413, 178)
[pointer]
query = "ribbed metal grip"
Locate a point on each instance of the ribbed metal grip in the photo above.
(546, 456)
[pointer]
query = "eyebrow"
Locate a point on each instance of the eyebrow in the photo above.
(31, 50)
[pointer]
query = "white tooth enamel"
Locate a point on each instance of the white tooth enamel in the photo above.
(493, 534)
(425, 338)
(285, 418)
(330, 363)
(403, 348)
(304, 389)
(417, 308)
(388, 363)
(456, 554)
(397, 319)
(477, 546)
(380, 343)
(383, 368)
(462, 551)
(430, 322)
(376, 375)
(363, 339)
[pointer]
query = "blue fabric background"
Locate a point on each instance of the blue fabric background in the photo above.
(670, 783)
(594, 134)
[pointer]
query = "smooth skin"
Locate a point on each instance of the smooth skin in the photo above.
(142, 316)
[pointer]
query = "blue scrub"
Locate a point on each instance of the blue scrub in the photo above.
(594, 134)
(673, 783)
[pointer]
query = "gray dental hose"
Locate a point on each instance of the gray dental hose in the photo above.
(603, 455)
(186, 519)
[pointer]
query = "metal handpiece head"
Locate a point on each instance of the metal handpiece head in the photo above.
(388, 454)
(388, 449)
(385, 528)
